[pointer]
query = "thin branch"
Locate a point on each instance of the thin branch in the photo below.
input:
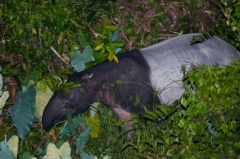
(58, 55)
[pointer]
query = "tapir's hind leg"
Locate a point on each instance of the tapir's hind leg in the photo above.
(125, 117)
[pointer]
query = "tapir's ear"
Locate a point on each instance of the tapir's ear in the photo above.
(86, 77)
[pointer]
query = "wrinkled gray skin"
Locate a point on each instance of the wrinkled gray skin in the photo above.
(128, 87)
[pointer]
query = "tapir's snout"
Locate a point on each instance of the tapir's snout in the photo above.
(52, 114)
(49, 119)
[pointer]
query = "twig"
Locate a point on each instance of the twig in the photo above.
(56, 53)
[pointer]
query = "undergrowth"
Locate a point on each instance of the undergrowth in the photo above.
(40, 38)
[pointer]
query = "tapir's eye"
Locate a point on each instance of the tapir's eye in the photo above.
(66, 100)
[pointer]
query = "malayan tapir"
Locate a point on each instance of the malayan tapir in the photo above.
(129, 86)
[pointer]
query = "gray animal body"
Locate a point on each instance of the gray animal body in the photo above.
(128, 87)
(167, 58)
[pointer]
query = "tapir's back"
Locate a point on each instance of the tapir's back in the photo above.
(165, 60)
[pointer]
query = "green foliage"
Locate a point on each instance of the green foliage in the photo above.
(162, 112)
(106, 45)
(63, 152)
(3, 94)
(23, 111)
(42, 98)
(46, 36)
(79, 59)
(37, 32)
(192, 22)
(208, 124)
(229, 26)
(201, 38)
(13, 145)
(5, 152)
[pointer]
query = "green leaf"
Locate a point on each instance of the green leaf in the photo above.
(84, 39)
(53, 152)
(95, 124)
(1, 83)
(74, 46)
(42, 99)
(149, 117)
(27, 155)
(70, 123)
(86, 155)
(13, 145)
(5, 152)
(99, 47)
(76, 121)
(22, 112)
(93, 108)
(82, 140)
(79, 59)
(3, 99)
(181, 123)
(152, 114)
(34, 76)
(107, 157)
(111, 27)
(184, 102)
(105, 22)
(116, 44)
(116, 34)
(112, 57)
(42, 85)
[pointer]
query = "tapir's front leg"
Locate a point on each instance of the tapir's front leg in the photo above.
(125, 117)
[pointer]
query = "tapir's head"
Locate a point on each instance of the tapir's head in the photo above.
(77, 101)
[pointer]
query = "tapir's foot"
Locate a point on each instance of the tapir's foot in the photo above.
(125, 117)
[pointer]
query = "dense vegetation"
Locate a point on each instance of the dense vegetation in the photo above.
(42, 41)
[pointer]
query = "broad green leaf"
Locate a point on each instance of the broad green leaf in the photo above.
(76, 121)
(54, 153)
(70, 123)
(13, 145)
(93, 108)
(42, 99)
(79, 59)
(95, 124)
(22, 112)
(5, 152)
(76, 62)
(83, 139)
(86, 155)
(25, 88)
(3, 99)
